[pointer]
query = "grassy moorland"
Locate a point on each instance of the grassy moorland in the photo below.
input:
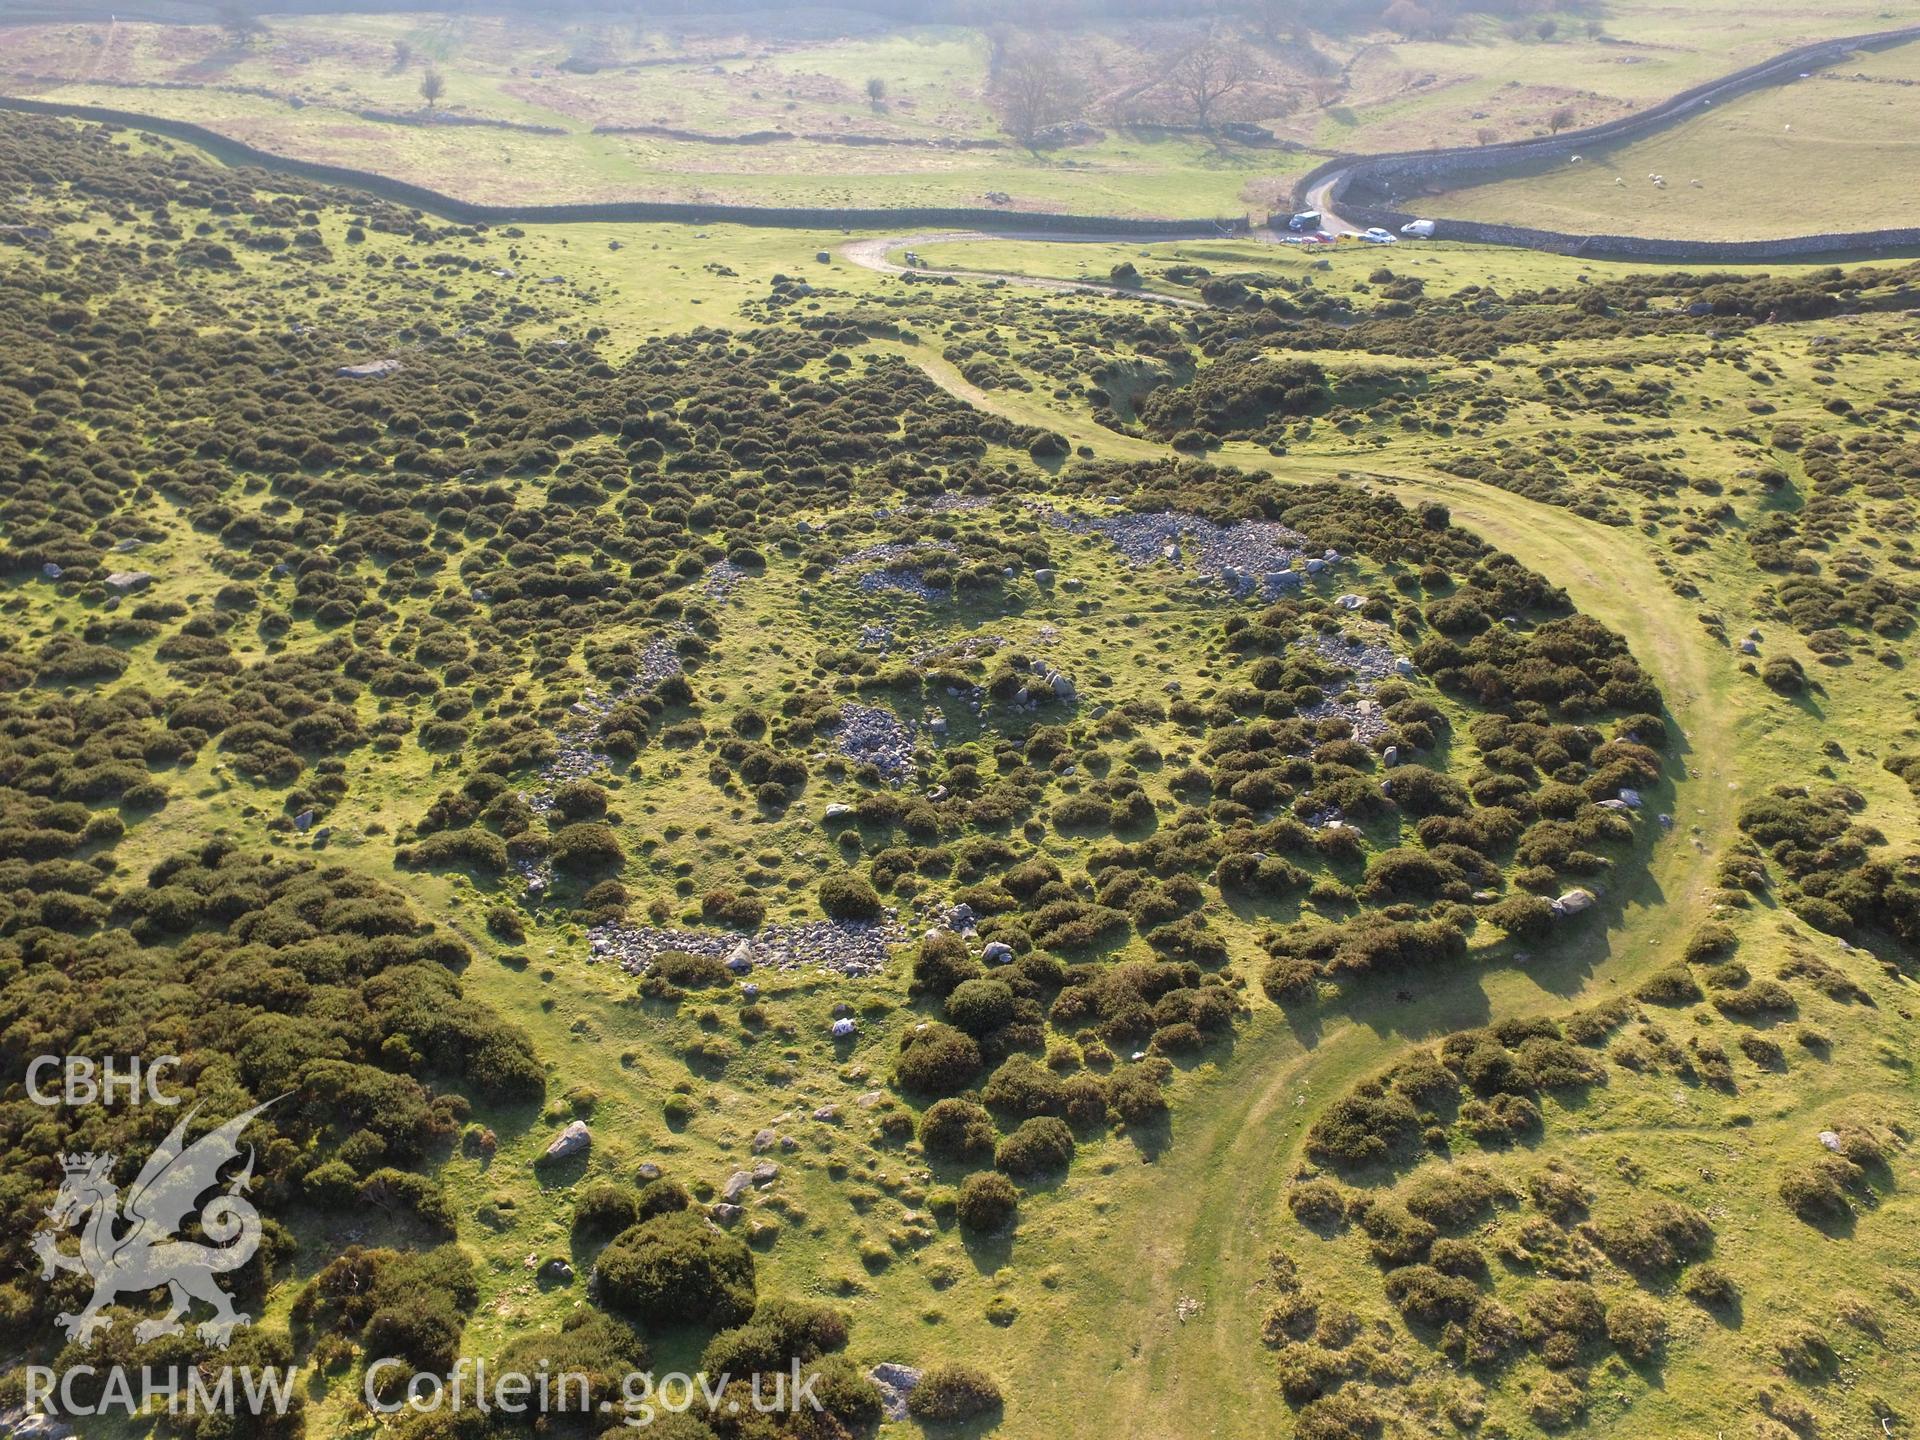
(395, 604)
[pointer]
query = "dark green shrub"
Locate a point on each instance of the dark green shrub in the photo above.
(1817, 1192)
(951, 1392)
(936, 1060)
(980, 1006)
(1637, 1327)
(957, 1130)
(604, 1206)
(1317, 1203)
(587, 846)
(987, 1202)
(677, 1269)
(849, 897)
(1041, 1145)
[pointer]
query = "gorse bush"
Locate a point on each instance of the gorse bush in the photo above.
(675, 1268)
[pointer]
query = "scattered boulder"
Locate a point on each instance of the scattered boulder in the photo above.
(737, 1185)
(998, 952)
(21, 1423)
(843, 1028)
(1573, 902)
(127, 582)
(576, 1139)
(895, 1383)
(371, 370)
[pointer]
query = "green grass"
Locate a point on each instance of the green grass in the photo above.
(1834, 152)
(1363, 92)
(1103, 1263)
(1161, 1237)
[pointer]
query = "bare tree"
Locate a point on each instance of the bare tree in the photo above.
(239, 22)
(1207, 73)
(432, 87)
(402, 55)
(1033, 88)
(876, 91)
(1486, 134)
(1560, 119)
(1408, 20)
(1274, 18)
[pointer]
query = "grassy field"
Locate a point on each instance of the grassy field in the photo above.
(346, 89)
(1832, 152)
(1131, 1297)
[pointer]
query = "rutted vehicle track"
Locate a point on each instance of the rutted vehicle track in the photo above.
(871, 254)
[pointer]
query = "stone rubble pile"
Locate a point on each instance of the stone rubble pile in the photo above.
(1371, 661)
(888, 573)
(875, 582)
(1244, 557)
(577, 753)
(721, 577)
(847, 947)
(869, 735)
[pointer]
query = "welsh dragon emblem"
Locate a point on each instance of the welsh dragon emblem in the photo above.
(132, 1248)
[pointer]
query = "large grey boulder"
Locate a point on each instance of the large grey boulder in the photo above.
(576, 1139)
(895, 1383)
(1573, 902)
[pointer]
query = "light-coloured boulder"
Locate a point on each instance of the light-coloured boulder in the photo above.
(1573, 902)
(576, 1139)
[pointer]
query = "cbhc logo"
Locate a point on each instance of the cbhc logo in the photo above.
(85, 1081)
